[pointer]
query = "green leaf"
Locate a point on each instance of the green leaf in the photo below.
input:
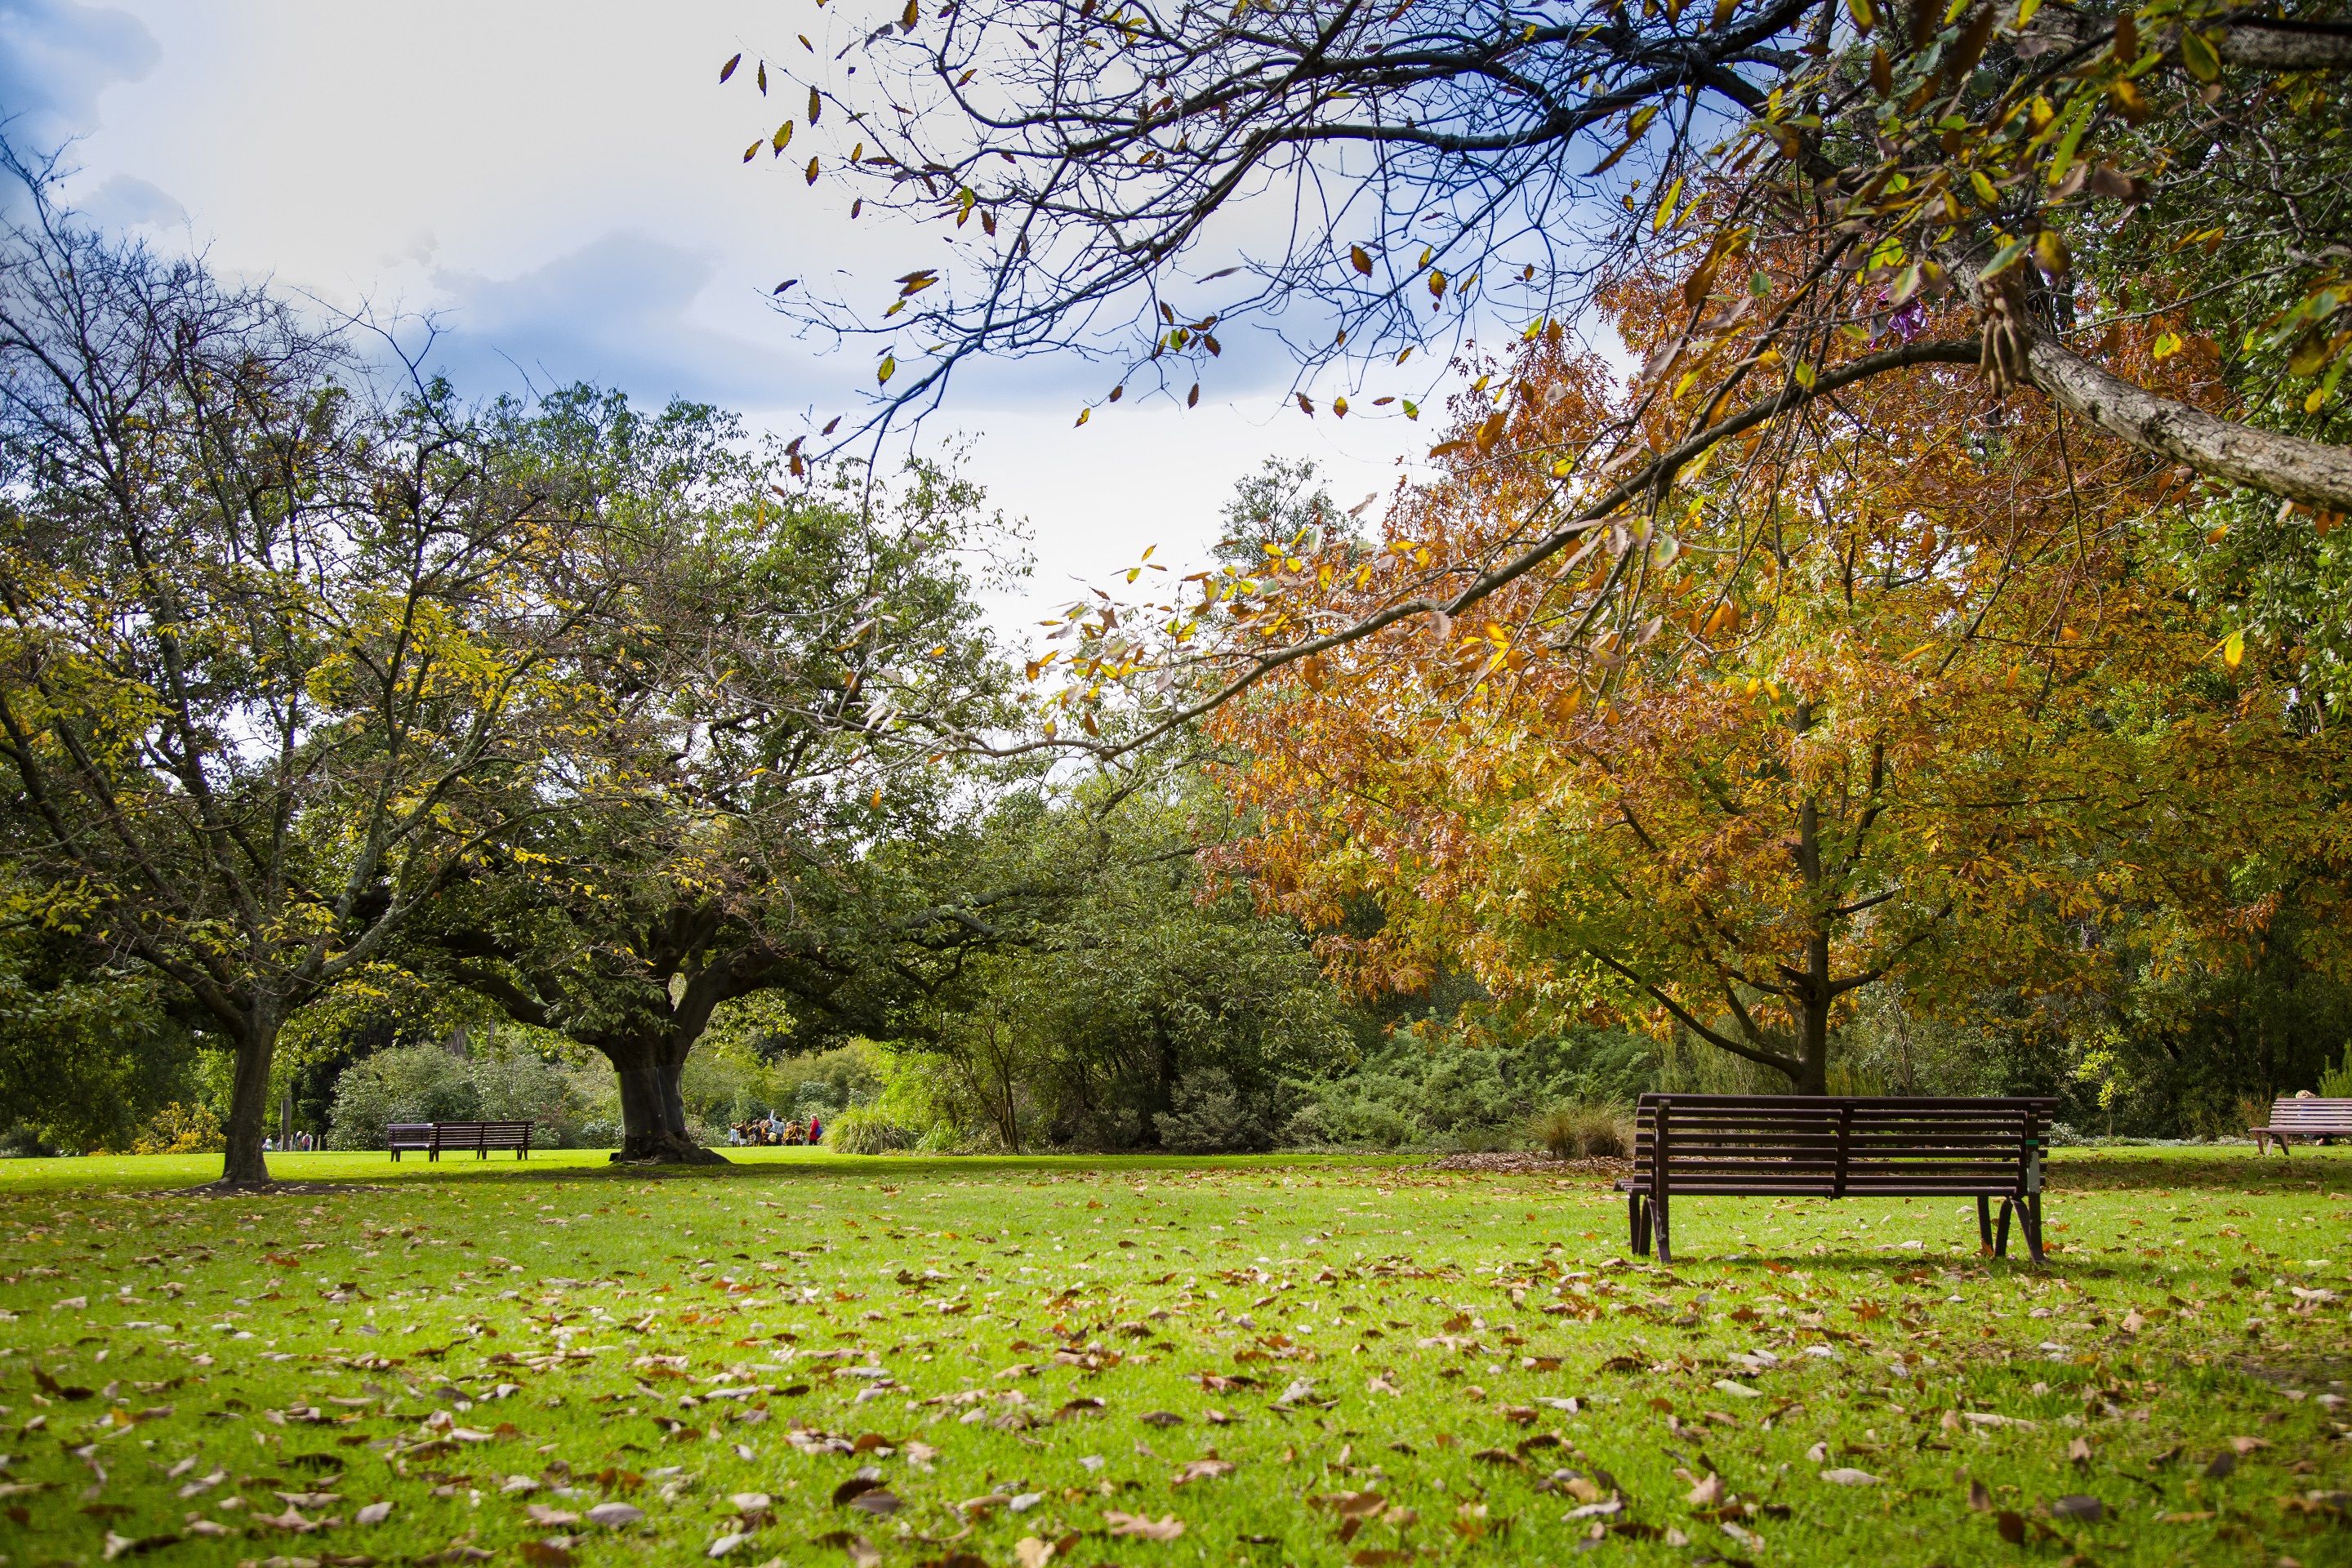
(889, 366)
(2007, 256)
(2197, 52)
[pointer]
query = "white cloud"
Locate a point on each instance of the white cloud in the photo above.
(56, 58)
(617, 311)
(559, 184)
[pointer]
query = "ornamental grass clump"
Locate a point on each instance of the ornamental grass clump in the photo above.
(863, 1129)
(1603, 1130)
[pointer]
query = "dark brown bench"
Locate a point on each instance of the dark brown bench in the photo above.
(1736, 1146)
(2292, 1118)
(436, 1137)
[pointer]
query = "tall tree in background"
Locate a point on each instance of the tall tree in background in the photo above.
(276, 658)
(1098, 168)
(1921, 701)
(777, 816)
(1122, 994)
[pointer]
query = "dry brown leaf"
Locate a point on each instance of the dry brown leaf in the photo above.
(1143, 1526)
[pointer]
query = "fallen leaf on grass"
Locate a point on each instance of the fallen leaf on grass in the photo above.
(50, 1386)
(1203, 1469)
(2089, 1509)
(2245, 1446)
(129, 1546)
(880, 1504)
(862, 1552)
(2193, 1518)
(1706, 1493)
(726, 1544)
(1161, 1419)
(2011, 1525)
(1143, 1527)
(292, 1520)
(544, 1553)
(373, 1513)
(550, 1518)
(1980, 1498)
(613, 1515)
(1351, 1505)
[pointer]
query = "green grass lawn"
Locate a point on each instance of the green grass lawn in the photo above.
(998, 1363)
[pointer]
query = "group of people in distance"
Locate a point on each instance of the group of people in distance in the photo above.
(295, 1144)
(773, 1131)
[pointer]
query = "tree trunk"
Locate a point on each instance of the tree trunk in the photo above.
(653, 1109)
(1812, 1075)
(249, 1100)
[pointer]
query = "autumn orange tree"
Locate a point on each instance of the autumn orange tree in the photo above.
(1906, 690)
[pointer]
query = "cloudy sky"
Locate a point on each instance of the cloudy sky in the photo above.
(561, 185)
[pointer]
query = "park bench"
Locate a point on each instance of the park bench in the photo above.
(1737, 1145)
(436, 1137)
(2292, 1118)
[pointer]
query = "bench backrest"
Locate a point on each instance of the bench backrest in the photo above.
(409, 1135)
(2292, 1113)
(1833, 1146)
(482, 1135)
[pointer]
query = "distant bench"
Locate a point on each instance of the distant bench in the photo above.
(1734, 1145)
(2292, 1118)
(482, 1137)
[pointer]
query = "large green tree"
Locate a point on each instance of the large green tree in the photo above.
(779, 812)
(278, 657)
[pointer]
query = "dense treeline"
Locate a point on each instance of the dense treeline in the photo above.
(368, 753)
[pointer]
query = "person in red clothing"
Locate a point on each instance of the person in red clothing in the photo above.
(817, 1129)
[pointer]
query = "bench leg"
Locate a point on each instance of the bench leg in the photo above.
(2032, 1223)
(1658, 1223)
(2000, 1233)
(1639, 1242)
(1984, 1222)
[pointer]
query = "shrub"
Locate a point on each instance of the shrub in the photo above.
(2253, 1112)
(181, 1130)
(1212, 1118)
(426, 1083)
(1585, 1132)
(862, 1130)
(408, 1083)
(2334, 1082)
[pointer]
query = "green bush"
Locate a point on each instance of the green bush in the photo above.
(427, 1083)
(1212, 1118)
(862, 1130)
(1435, 1089)
(2335, 1082)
